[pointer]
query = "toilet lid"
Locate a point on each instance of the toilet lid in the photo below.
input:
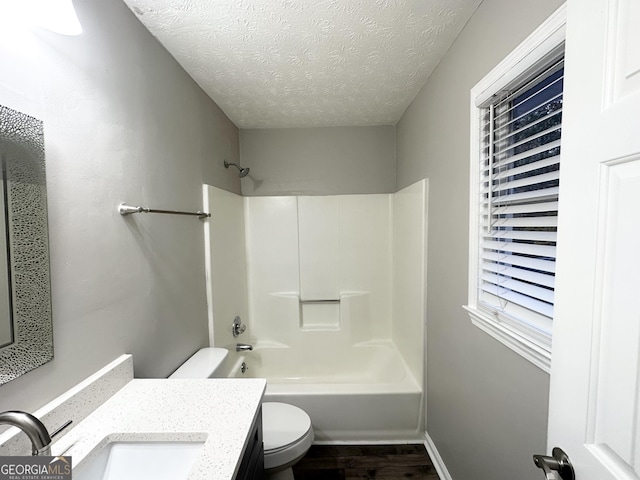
(282, 424)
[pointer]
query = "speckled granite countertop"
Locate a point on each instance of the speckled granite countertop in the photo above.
(218, 411)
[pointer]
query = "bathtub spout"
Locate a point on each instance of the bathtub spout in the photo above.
(243, 347)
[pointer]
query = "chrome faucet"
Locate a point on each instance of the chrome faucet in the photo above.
(32, 427)
(243, 347)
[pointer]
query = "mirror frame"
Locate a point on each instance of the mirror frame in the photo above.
(23, 166)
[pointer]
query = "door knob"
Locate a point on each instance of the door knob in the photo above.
(558, 462)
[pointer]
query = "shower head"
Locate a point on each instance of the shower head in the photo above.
(243, 171)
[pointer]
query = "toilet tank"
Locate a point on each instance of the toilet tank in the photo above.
(205, 363)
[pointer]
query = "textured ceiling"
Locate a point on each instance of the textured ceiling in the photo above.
(296, 63)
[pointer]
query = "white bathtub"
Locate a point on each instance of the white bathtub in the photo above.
(363, 394)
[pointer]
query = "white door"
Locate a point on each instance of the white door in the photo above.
(595, 389)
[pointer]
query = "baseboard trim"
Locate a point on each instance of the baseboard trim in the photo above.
(438, 463)
(396, 441)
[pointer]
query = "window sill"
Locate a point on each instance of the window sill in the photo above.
(516, 341)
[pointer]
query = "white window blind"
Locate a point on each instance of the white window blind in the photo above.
(519, 180)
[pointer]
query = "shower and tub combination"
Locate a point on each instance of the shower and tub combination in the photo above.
(368, 395)
(331, 289)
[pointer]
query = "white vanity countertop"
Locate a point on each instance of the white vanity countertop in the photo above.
(218, 411)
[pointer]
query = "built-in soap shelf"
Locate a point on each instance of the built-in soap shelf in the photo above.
(319, 301)
(322, 314)
(349, 315)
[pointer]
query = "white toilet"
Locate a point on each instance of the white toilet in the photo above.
(286, 429)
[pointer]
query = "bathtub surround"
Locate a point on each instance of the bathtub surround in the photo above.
(409, 270)
(225, 252)
(322, 270)
(319, 251)
(326, 277)
(373, 267)
(123, 121)
(305, 276)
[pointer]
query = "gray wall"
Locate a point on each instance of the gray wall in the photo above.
(486, 406)
(318, 161)
(123, 122)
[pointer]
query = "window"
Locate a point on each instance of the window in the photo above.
(515, 162)
(519, 184)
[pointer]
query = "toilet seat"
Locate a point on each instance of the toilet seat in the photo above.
(287, 434)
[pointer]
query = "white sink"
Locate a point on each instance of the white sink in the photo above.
(140, 460)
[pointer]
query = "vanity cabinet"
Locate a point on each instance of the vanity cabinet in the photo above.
(252, 463)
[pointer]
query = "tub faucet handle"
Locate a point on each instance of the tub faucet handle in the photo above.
(238, 328)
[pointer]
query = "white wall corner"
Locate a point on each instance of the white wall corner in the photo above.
(436, 459)
(207, 262)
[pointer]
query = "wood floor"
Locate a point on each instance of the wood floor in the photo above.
(382, 462)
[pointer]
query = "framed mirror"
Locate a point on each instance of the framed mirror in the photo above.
(26, 330)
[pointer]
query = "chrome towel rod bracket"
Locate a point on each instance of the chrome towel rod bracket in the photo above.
(124, 209)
